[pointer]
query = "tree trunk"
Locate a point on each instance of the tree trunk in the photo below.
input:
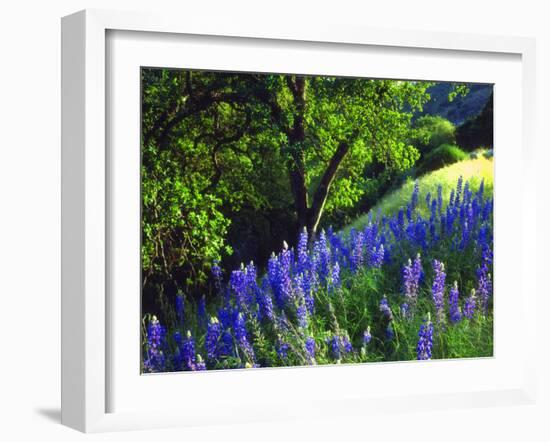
(321, 193)
(296, 136)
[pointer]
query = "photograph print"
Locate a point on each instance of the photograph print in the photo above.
(291, 220)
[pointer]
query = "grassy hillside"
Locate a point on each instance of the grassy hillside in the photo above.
(472, 170)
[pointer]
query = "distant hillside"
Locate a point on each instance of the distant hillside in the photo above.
(461, 108)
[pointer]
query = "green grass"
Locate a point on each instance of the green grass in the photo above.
(472, 170)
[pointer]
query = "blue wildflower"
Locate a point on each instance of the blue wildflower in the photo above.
(377, 256)
(367, 337)
(212, 338)
(470, 305)
(321, 255)
(156, 336)
(282, 349)
(237, 281)
(454, 309)
(385, 309)
(241, 336)
(188, 352)
(265, 303)
(412, 272)
(310, 349)
(336, 275)
(438, 288)
(200, 364)
(217, 274)
(303, 257)
(425, 340)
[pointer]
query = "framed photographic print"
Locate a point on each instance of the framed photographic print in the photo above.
(263, 216)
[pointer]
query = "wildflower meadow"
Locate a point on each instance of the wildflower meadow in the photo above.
(292, 220)
(404, 287)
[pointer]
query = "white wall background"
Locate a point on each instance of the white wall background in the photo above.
(30, 215)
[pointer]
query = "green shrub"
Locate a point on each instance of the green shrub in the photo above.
(431, 131)
(442, 156)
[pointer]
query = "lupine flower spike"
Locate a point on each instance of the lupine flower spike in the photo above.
(425, 340)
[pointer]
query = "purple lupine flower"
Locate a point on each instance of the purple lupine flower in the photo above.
(304, 285)
(250, 277)
(188, 352)
(301, 314)
(438, 288)
(467, 193)
(454, 310)
(412, 272)
(282, 349)
(334, 347)
(405, 310)
(485, 285)
(265, 303)
(367, 337)
(388, 332)
(458, 190)
(467, 214)
(180, 308)
(321, 254)
(200, 365)
(425, 340)
(370, 234)
(346, 344)
(226, 345)
(283, 277)
(282, 323)
(429, 200)
(356, 250)
(480, 190)
(241, 336)
(487, 210)
(336, 275)
(433, 211)
(303, 257)
(217, 274)
(484, 288)
(212, 338)
(377, 256)
(156, 341)
(339, 345)
(237, 282)
(415, 194)
(470, 305)
(310, 349)
(385, 309)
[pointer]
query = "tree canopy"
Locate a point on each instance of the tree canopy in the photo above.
(286, 151)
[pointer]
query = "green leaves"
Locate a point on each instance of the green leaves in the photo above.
(216, 144)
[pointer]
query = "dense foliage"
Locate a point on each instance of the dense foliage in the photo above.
(430, 132)
(439, 157)
(233, 164)
(406, 286)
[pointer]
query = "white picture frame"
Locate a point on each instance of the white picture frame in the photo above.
(86, 357)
